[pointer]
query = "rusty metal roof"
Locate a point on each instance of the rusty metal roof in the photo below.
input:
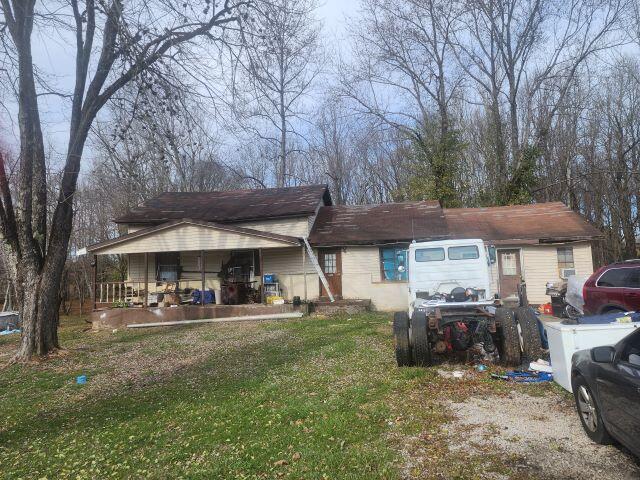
(229, 206)
(420, 221)
(379, 224)
(537, 223)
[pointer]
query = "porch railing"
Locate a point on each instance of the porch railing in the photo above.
(112, 292)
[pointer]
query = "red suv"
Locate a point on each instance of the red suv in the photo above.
(614, 288)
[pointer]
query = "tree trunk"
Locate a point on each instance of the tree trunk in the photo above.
(39, 301)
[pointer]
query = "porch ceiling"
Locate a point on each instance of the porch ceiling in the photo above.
(192, 235)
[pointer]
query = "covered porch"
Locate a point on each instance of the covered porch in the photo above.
(186, 264)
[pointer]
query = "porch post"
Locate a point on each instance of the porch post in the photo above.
(261, 275)
(94, 275)
(304, 271)
(146, 279)
(202, 270)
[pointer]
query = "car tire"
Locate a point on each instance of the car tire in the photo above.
(420, 346)
(589, 411)
(531, 341)
(508, 339)
(401, 339)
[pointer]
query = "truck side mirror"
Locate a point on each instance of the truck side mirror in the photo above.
(491, 249)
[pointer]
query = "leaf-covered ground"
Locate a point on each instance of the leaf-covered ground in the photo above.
(313, 398)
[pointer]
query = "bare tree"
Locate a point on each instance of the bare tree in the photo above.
(115, 42)
(403, 71)
(281, 64)
(515, 51)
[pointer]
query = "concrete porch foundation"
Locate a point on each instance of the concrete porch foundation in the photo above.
(111, 318)
(347, 306)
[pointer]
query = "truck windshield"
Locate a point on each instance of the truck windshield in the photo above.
(468, 252)
(429, 254)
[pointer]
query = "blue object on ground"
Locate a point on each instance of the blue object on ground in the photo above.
(481, 367)
(209, 297)
(525, 377)
(9, 332)
(608, 318)
(81, 379)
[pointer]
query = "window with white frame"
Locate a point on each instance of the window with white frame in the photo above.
(565, 257)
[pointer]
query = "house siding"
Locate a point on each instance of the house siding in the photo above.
(361, 278)
(293, 227)
(540, 265)
(187, 237)
(131, 228)
(286, 264)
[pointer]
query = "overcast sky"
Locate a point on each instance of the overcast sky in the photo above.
(57, 59)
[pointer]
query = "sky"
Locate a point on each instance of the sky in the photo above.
(56, 58)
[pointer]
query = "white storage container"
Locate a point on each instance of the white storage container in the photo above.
(565, 340)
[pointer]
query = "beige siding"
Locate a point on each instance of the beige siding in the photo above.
(134, 228)
(286, 264)
(186, 237)
(361, 278)
(540, 265)
(294, 227)
(136, 267)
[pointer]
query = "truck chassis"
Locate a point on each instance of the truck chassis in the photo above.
(443, 328)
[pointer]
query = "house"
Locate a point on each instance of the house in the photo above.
(227, 241)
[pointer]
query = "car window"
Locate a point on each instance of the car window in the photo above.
(468, 252)
(634, 278)
(616, 277)
(429, 254)
(631, 350)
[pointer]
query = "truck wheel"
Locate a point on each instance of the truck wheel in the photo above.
(508, 338)
(420, 340)
(531, 341)
(401, 339)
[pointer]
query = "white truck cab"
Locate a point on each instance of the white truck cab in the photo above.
(450, 272)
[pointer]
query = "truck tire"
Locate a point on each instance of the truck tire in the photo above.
(401, 339)
(420, 345)
(531, 341)
(508, 339)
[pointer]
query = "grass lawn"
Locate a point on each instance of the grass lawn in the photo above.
(310, 398)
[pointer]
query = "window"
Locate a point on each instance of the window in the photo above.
(631, 350)
(565, 257)
(634, 278)
(509, 263)
(468, 252)
(392, 259)
(168, 267)
(429, 254)
(616, 277)
(330, 263)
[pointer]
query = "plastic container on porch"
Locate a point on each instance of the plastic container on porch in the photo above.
(217, 293)
(565, 340)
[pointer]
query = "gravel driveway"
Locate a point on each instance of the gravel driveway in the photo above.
(543, 432)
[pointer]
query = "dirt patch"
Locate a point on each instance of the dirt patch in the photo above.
(543, 433)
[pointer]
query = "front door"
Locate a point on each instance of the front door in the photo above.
(509, 272)
(331, 263)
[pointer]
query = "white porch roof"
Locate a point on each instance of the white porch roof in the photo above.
(192, 235)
